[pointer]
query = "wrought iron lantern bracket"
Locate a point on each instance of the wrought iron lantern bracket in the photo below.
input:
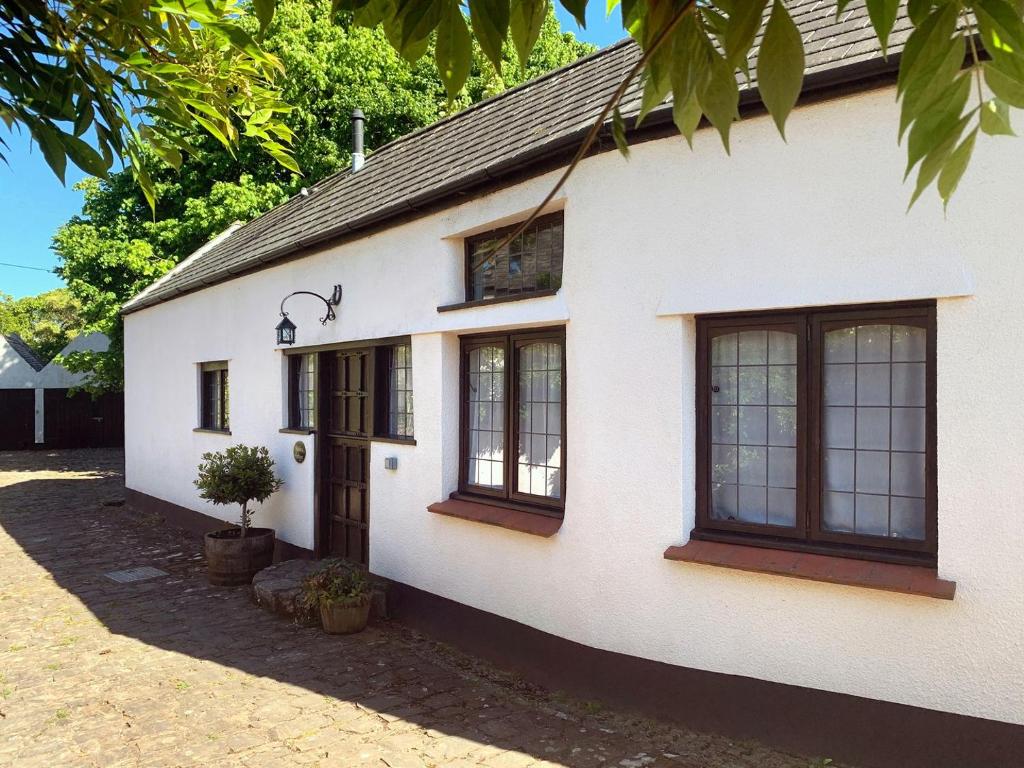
(286, 328)
(330, 303)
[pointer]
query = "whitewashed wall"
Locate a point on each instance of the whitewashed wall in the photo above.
(15, 372)
(649, 242)
(56, 376)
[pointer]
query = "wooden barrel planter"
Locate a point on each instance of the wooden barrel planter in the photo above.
(344, 619)
(232, 561)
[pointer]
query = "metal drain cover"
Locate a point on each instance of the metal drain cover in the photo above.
(135, 574)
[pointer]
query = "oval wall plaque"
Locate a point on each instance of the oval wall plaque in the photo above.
(299, 451)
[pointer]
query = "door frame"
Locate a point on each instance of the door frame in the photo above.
(320, 441)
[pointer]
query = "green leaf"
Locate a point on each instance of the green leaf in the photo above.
(48, 138)
(655, 92)
(934, 125)
(742, 29)
(453, 50)
(1000, 26)
(1004, 85)
(86, 115)
(490, 19)
(926, 86)
(995, 118)
(719, 96)
(936, 158)
(371, 13)
(686, 114)
(578, 9)
(954, 167)
(214, 131)
(926, 44)
(780, 65)
(525, 22)
(619, 133)
(419, 19)
(883, 16)
(84, 156)
(918, 11)
(264, 12)
(286, 160)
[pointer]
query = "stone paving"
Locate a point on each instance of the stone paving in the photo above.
(171, 672)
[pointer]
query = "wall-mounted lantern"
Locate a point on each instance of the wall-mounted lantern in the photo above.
(286, 328)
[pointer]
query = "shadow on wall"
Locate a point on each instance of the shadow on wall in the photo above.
(64, 517)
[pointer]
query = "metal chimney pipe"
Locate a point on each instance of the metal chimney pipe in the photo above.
(358, 120)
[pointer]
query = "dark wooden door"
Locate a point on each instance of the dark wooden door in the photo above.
(345, 493)
(83, 421)
(17, 419)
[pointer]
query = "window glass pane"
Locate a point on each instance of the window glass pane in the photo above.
(486, 422)
(214, 396)
(531, 262)
(400, 391)
(303, 382)
(874, 402)
(538, 466)
(753, 459)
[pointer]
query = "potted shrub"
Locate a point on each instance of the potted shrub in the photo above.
(239, 475)
(341, 592)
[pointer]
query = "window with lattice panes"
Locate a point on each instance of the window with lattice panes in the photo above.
(513, 419)
(817, 428)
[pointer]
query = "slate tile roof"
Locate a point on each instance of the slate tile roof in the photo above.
(485, 142)
(18, 345)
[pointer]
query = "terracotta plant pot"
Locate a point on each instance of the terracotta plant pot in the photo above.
(232, 561)
(344, 619)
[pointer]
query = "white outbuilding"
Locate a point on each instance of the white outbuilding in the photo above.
(734, 440)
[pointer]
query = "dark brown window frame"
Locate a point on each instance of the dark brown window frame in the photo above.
(807, 534)
(509, 496)
(382, 395)
(207, 371)
(381, 353)
(294, 402)
(471, 241)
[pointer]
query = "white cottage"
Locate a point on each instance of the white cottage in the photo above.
(732, 440)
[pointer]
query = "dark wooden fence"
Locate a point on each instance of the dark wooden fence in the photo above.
(17, 419)
(78, 421)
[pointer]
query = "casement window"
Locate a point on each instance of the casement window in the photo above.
(302, 391)
(513, 418)
(816, 430)
(215, 403)
(394, 391)
(531, 263)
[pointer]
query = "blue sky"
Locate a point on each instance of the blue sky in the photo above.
(33, 203)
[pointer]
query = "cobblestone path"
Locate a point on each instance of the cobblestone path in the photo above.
(170, 672)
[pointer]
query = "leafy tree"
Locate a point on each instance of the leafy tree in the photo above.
(97, 81)
(46, 322)
(116, 247)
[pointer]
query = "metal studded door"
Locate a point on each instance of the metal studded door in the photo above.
(345, 492)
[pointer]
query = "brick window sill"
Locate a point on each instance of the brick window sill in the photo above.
(532, 523)
(890, 577)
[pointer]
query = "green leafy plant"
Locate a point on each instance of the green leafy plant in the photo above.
(95, 82)
(337, 583)
(238, 475)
